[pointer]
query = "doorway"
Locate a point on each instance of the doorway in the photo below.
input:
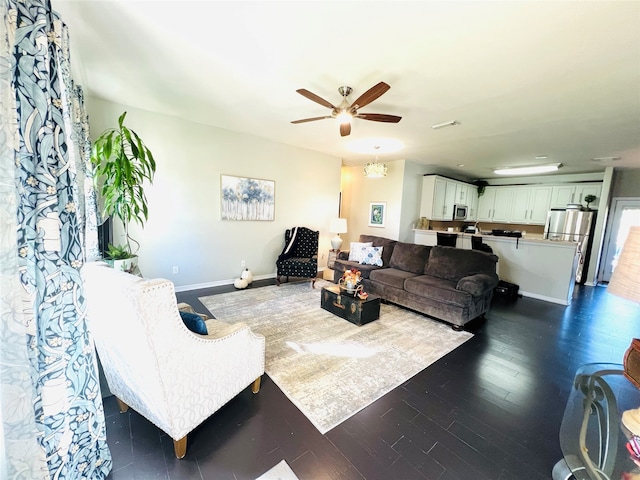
(625, 213)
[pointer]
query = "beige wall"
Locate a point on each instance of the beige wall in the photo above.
(359, 192)
(626, 183)
(401, 189)
(184, 227)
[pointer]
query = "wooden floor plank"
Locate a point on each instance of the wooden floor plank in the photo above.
(491, 409)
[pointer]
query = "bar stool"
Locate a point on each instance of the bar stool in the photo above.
(446, 239)
(477, 244)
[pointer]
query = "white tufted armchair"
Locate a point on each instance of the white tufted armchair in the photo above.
(154, 364)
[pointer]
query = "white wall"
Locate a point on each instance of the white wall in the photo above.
(401, 189)
(411, 199)
(626, 183)
(358, 192)
(184, 227)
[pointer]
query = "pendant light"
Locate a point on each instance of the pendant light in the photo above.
(375, 169)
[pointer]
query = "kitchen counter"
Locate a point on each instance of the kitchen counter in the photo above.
(544, 269)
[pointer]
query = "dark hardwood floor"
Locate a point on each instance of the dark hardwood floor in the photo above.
(491, 409)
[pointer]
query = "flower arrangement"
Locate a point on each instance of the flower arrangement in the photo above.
(350, 281)
(352, 276)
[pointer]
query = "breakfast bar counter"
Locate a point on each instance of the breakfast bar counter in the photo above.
(543, 269)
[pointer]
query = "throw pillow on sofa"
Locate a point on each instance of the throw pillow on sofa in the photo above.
(371, 256)
(355, 251)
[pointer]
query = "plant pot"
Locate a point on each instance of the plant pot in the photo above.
(128, 265)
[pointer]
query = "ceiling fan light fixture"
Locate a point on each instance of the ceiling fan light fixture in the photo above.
(531, 170)
(344, 117)
(347, 111)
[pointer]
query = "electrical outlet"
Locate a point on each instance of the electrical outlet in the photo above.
(322, 257)
(243, 264)
(176, 269)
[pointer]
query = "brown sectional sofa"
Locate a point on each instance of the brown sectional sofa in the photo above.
(451, 284)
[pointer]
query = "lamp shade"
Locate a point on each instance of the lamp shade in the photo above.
(338, 225)
(625, 281)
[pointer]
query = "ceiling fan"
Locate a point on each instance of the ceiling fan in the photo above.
(345, 111)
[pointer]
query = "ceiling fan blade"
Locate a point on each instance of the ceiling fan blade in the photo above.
(345, 129)
(312, 96)
(379, 117)
(313, 119)
(370, 95)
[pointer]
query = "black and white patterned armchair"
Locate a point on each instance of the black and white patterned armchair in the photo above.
(299, 258)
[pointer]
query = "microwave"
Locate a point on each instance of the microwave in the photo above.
(460, 212)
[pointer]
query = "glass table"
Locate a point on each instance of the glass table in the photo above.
(592, 439)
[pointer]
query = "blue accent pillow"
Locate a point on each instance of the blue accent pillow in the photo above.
(194, 322)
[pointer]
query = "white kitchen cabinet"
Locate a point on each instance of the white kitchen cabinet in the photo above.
(472, 203)
(539, 201)
(502, 205)
(574, 193)
(462, 194)
(562, 195)
(530, 204)
(520, 207)
(438, 198)
(485, 204)
(588, 189)
(495, 204)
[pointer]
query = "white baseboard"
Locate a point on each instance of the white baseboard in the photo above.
(219, 283)
(560, 301)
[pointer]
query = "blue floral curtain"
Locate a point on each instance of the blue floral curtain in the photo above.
(52, 423)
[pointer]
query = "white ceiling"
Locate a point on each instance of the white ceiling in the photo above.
(523, 78)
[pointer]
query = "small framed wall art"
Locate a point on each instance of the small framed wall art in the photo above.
(377, 213)
(245, 198)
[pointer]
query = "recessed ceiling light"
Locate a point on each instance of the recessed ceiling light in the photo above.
(450, 123)
(605, 159)
(460, 165)
(541, 157)
(532, 170)
(375, 145)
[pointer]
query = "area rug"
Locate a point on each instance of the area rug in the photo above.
(282, 471)
(328, 367)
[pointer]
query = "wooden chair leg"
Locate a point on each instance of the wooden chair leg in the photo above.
(255, 386)
(180, 447)
(313, 282)
(122, 406)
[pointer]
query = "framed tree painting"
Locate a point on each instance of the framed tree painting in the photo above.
(247, 198)
(377, 212)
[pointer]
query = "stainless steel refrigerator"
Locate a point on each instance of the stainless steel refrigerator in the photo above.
(573, 225)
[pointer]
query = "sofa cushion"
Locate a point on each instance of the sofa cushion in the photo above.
(387, 243)
(438, 289)
(478, 284)
(371, 256)
(450, 263)
(409, 257)
(391, 277)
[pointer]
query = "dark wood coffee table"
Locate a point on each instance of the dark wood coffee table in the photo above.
(336, 300)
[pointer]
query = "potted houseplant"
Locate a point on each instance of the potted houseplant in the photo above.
(123, 163)
(481, 184)
(589, 199)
